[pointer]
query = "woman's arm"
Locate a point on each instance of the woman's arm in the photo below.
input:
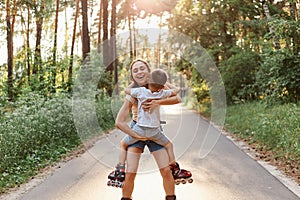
(149, 104)
(121, 120)
(171, 100)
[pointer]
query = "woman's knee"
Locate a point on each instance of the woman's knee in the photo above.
(166, 172)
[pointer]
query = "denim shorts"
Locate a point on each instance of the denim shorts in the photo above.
(152, 146)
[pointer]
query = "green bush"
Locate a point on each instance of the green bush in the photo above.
(37, 131)
(238, 74)
(279, 77)
(34, 134)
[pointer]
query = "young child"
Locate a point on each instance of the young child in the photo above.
(148, 124)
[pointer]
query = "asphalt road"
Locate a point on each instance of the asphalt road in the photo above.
(221, 170)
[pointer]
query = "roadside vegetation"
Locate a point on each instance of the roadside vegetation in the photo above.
(37, 131)
(274, 131)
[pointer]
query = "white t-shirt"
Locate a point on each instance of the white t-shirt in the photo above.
(146, 118)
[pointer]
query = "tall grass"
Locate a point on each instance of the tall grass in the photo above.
(274, 128)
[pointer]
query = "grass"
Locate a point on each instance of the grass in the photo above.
(274, 130)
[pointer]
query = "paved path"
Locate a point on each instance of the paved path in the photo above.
(226, 173)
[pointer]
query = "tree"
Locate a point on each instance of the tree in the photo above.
(100, 26)
(271, 28)
(105, 34)
(70, 74)
(55, 43)
(28, 51)
(113, 44)
(85, 30)
(39, 16)
(10, 23)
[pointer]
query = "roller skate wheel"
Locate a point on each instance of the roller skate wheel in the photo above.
(190, 180)
(183, 181)
(177, 182)
(108, 183)
(119, 185)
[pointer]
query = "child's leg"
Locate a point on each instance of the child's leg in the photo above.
(123, 153)
(169, 147)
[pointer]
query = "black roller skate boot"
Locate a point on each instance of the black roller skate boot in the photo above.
(171, 197)
(180, 175)
(117, 176)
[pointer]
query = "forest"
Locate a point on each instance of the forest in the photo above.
(58, 52)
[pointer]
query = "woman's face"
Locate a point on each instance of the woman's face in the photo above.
(140, 73)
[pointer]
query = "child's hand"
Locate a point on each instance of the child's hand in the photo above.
(142, 138)
(150, 104)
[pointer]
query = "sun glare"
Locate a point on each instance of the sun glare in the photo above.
(149, 22)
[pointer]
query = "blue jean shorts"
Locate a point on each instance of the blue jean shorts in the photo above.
(152, 146)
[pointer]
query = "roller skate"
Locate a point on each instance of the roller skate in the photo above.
(180, 175)
(117, 176)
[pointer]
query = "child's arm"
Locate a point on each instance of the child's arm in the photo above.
(173, 99)
(175, 90)
(128, 89)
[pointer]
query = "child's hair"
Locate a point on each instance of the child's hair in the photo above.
(158, 78)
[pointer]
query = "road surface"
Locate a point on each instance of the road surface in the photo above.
(225, 173)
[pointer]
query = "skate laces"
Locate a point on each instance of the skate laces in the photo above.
(174, 168)
(120, 167)
(120, 172)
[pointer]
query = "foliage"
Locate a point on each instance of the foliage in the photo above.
(34, 134)
(238, 73)
(199, 95)
(279, 76)
(273, 128)
(36, 131)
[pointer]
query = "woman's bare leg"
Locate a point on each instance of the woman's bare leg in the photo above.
(133, 158)
(162, 159)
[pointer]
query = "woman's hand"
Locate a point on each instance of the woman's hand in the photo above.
(142, 138)
(150, 104)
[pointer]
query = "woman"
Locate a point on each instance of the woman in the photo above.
(139, 73)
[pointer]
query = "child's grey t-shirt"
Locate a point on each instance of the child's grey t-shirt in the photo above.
(146, 118)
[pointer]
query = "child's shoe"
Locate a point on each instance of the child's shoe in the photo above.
(180, 175)
(117, 176)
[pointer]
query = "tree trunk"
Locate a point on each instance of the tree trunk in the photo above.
(129, 28)
(28, 42)
(295, 35)
(55, 44)
(114, 45)
(85, 30)
(37, 67)
(100, 26)
(70, 76)
(105, 35)
(10, 53)
(267, 13)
